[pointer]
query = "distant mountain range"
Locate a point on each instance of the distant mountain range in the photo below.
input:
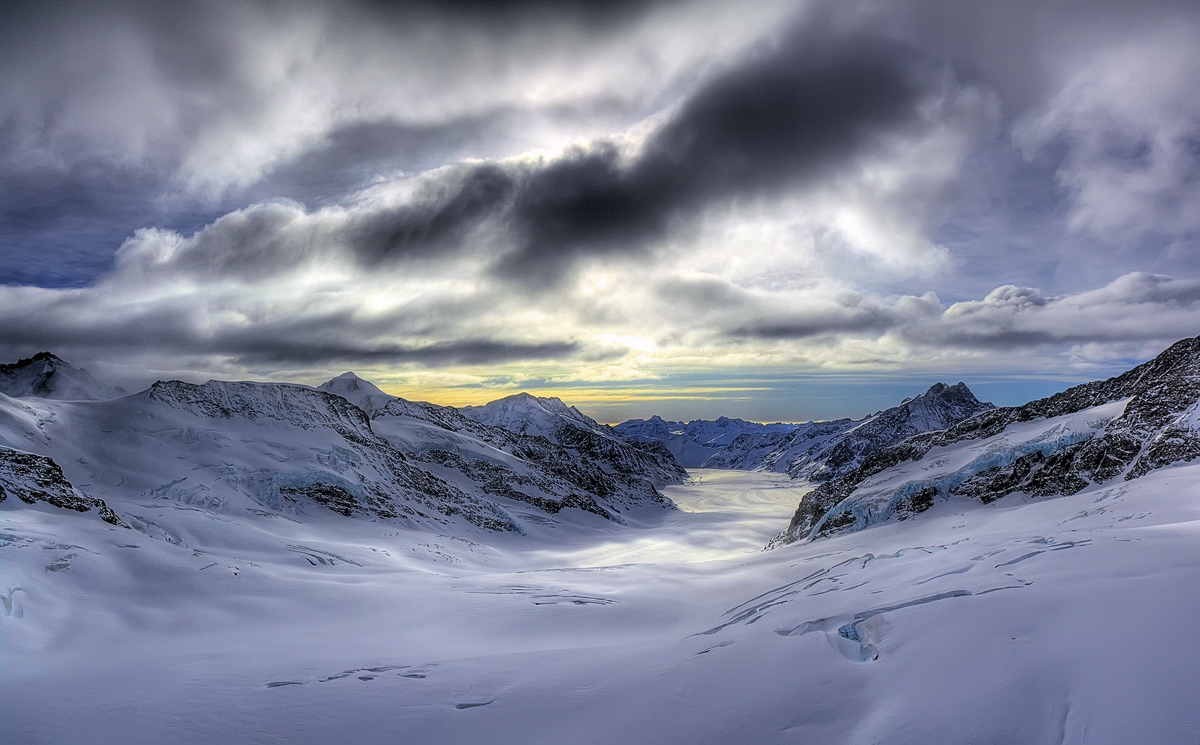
(817, 451)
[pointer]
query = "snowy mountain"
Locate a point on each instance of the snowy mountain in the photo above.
(568, 427)
(774, 451)
(697, 442)
(363, 394)
(290, 450)
(814, 457)
(46, 376)
(237, 447)
(815, 451)
(514, 448)
(1126, 426)
(604, 478)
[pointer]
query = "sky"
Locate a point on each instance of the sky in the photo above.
(774, 210)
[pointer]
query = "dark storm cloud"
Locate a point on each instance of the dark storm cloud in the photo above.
(790, 113)
(438, 217)
(321, 338)
(852, 321)
(109, 113)
(351, 157)
(458, 352)
(506, 12)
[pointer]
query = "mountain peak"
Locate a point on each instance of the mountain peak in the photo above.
(957, 392)
(362, 393)
(525, 413)
(46, 375)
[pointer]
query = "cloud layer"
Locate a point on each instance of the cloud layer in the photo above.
(589, 192)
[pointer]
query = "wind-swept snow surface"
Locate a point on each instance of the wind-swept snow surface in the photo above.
(1019, 621)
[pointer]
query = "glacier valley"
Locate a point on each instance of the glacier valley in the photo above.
(1033, 621)
(263, 563)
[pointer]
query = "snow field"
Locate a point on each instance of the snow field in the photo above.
(1058, 621)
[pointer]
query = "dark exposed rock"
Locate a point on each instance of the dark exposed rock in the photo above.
(35, 478)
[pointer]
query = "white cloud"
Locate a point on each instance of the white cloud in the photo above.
(1128, 118)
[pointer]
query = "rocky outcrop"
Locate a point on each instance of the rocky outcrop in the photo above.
(35, 478)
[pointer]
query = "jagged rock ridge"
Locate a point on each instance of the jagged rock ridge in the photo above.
(1126, 426)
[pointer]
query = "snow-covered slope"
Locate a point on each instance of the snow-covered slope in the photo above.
(699, 441)
(237, 448)
(1122, 427)
(1022, 621)
(568, 427)
(45, 375)
(289, 450)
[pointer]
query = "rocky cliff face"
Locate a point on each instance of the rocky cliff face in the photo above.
(35, 478)
(1123, 427)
